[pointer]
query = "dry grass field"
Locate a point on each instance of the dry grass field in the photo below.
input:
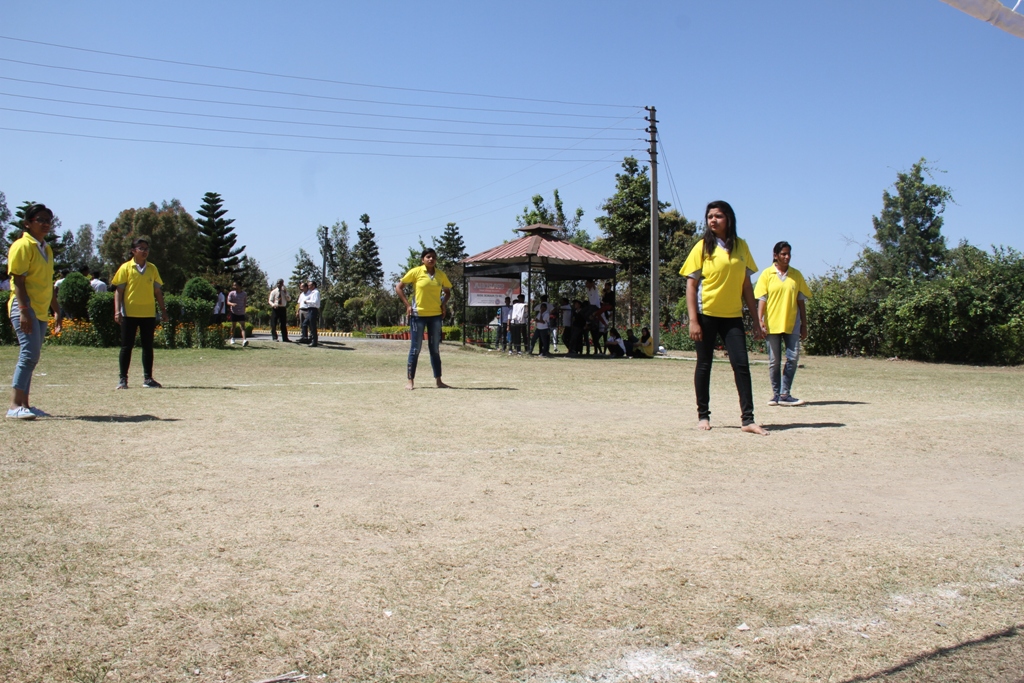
(281, 509)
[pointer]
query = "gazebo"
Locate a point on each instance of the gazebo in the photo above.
(537, 251)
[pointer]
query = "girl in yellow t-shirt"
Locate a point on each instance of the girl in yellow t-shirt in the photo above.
(430, 291)
(30, 264)
(136, 296)
(717, 273)
(780, 294)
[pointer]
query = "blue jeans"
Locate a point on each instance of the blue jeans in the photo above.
(432, 324)
(31, 347)
(775, 343)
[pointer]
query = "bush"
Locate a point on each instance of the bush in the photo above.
(74, 333)
(101, 315)
(452, 333)
(199, 288)
(73, 296)
(188, 322)
(7, 333)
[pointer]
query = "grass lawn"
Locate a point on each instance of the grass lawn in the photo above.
(278, 508)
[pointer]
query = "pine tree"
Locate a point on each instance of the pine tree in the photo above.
(218, 236)
(366, 266)
(451, 249)
(305, 270)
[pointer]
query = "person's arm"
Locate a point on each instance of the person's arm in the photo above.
(23, 303)
(803, 318)
(159, 294)
(270, 299)
(55, 307)
(762, 305)
(400, 291)
(691, 309)
(118, 297)
(748, 297)
(446, 293)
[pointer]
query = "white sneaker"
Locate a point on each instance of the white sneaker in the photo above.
(21, 413)
(245, 342)
(232, 340)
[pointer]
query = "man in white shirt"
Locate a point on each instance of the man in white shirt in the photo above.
(96, 283)
(593, 294)
(312, 302)
(278, 301)
(517, 324)
(220, 308)
(504, 315)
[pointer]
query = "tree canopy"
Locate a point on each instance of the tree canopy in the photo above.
(218, 237)
(174, 242)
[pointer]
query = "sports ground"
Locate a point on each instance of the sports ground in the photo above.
(282, 509)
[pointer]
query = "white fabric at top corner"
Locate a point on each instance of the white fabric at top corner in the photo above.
(994, 12)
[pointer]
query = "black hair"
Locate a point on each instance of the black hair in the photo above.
(710, 241)
(779, 246)
(36, 209)
(139, 240)
(426, 251)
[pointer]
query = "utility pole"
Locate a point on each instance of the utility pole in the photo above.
(655, 256)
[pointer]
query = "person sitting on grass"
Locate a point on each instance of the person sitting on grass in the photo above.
(236, 305)
(137, 291)
(645, 347)
(614, 344)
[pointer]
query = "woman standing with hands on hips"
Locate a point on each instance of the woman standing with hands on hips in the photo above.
(781, 292)
(717, 273)
(430, 291)
(30, 264)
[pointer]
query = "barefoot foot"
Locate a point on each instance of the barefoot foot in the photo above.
(441, 385)
(754, 428)
(704, 425)
(409, 386)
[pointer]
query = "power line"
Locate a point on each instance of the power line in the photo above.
(313, 110)
(289, 135)
(301, 151)
(318, 80)
(307, 123)
(264, 91)
(671, 178)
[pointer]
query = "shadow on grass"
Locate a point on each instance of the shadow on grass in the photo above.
(482, 388)
(1000, 655)
(123, 418)
(836, 403)
(804, 425)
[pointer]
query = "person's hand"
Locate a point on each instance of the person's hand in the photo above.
(58, 324)
(26, 321)
(758, 330)
(408, 310)
(803, 332)
(695, 332)
(163, 317)
(117, 317)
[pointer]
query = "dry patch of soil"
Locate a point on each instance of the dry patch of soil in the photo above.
(279, 508)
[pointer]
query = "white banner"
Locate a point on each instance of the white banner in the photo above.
(994, 12)
(491, 291)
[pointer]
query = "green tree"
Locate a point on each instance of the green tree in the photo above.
(451, 249)
(323, 238)
(5, 219)
(174, 242)
(81, 249)
(366, 266)
(554, 215)
(626, 228)
(909, 231)
(218, 237)
(304, 271)
(341, 264)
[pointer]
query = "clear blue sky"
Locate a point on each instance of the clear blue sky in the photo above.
(799, 113)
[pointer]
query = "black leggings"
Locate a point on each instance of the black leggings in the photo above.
(735, 340)
(145, 326)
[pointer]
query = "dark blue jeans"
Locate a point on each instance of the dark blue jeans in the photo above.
(734, 338)
(432, 324)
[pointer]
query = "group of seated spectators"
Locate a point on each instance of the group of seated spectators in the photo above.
(585, 327)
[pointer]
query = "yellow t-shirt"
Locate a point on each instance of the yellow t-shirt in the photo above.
(720, 292)
(781, 296)
(426, 290)
(24, 258)
(138, 300)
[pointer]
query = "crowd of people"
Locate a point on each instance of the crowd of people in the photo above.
(717, 272)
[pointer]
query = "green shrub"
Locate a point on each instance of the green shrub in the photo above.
(200, 288)
(73, 296)
(7, 333)
(101, 315)
(452, 333)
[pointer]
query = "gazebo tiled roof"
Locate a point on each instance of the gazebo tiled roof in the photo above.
(538, 245)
